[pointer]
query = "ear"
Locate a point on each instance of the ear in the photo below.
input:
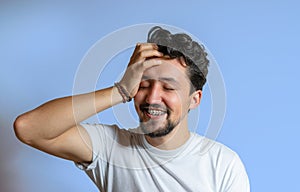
(195, 99)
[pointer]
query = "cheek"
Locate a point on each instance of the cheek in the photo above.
(173, 101)
(177, 102)
(139, 97)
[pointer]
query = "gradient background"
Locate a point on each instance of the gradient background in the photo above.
(256, 44)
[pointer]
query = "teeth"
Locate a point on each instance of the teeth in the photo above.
(155, 112)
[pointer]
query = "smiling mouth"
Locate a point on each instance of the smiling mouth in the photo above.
(153, 111)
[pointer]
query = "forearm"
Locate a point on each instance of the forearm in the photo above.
(57, 116)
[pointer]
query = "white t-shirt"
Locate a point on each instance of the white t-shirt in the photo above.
(125, 161)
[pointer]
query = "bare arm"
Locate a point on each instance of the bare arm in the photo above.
(54, 126)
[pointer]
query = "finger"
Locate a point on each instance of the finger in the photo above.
(149, 53)
(145, 46)
(143, 55)
(151, 63)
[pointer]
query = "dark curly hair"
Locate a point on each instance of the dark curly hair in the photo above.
(182, 45)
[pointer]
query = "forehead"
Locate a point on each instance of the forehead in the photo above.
(169, 69)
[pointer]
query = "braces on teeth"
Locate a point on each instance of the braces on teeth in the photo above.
(155, 112)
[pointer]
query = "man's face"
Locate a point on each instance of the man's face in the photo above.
(163, 98)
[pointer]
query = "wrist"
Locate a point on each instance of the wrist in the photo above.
(123, 93)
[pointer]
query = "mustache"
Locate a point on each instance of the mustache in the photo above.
(154, 106)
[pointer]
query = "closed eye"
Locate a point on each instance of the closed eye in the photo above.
(144, 84)
(142, 87)
(169, 88)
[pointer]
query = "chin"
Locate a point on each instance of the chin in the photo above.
(153, 130)
(160, 133)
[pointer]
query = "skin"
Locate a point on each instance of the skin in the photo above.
(166, 86)
(54, 128)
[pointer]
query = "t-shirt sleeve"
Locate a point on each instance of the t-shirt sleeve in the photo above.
(100, 135)
(238, 180)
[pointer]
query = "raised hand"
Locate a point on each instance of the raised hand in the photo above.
(145, 55)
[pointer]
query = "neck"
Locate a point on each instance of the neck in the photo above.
(176, 138)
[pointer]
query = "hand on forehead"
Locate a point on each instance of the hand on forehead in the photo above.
(168, 69)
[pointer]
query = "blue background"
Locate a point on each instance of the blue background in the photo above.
(256, 44)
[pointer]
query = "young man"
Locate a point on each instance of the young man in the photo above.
(165, 77)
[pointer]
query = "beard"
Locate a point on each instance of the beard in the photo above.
(156, 127)
(160, 130)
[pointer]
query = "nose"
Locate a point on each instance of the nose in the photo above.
(154, 94)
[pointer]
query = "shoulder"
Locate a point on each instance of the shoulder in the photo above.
(224, 161)
(212, 149)
(95, 129)
(110, 133)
